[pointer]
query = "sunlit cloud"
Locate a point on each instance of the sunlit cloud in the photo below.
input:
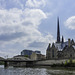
(70, 22)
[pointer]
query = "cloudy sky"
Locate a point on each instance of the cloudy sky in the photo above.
(31, 24)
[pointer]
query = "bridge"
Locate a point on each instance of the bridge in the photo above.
(27, 63)
(31, 63)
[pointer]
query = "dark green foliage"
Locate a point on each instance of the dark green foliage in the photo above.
(69, 65)
(1, 63)
(26, 56)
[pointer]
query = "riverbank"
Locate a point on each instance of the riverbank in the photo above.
(56, 68)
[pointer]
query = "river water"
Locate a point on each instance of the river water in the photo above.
(35, 71)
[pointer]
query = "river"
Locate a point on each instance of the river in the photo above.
(35, 71)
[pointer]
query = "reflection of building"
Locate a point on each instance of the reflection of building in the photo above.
(61, 49)
(29, 52)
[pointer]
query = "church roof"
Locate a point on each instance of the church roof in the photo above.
(74, 46)
(48, 47)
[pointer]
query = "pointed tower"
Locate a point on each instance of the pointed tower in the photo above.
(72, 42)
(58, 31)
(49, 46)
(53, 45)
(48, 52)
(62, 39)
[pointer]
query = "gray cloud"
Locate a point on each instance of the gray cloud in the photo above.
(8, 37)
(37, 44)
(19, 27)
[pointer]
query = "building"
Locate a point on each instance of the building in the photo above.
(61, 49)
(26, 53)
(38, 52)
(37, 56)
(29, 52)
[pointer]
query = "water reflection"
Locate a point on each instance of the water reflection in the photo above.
(34, 71)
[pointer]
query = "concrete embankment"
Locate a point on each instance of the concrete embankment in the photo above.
(50, 62)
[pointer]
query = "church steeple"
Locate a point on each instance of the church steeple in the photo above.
(62, 39)
(58, 31)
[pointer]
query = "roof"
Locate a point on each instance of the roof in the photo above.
(74, 46)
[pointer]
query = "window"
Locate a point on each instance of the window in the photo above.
(70, 55)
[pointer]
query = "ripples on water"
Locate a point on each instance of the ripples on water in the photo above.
(34, 71)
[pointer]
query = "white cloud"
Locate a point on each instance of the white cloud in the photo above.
(21, 26)
(9, 53)
(8, 4)
(35, 17)
(17, 18)
(35, 3)
(70, 22)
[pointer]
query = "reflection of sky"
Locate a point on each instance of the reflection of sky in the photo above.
(31, 24)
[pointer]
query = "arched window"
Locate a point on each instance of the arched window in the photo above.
(70, 55)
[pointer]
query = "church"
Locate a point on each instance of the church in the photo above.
(61, 49)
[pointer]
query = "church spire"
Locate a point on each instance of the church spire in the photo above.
(62, 39)
(58, 31)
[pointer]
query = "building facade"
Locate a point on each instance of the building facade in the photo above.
(29, 52)
(61, 49)
(37, 56)
(26, 53)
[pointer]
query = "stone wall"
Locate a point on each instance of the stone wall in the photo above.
(50, 62)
